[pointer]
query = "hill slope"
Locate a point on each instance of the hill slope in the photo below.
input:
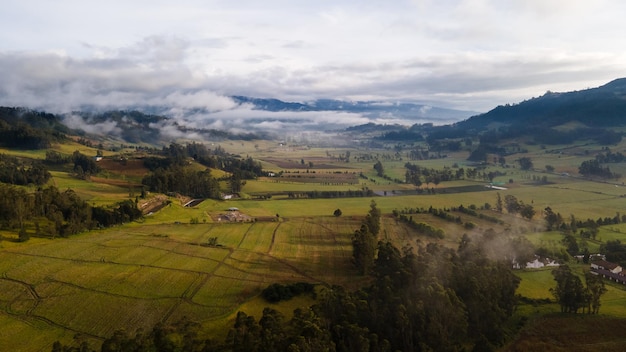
(603, 106)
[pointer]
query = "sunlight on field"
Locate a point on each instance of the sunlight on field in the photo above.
(158, 270)
(93, 192)
(536, 283)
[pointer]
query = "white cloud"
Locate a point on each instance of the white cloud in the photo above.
(470, 54)
(77, 122)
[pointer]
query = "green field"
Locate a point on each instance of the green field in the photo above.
(162, 268)
(134, 277)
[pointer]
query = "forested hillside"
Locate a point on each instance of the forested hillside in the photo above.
(604, 106)
(27, 129)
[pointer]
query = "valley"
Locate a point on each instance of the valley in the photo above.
(127, 249)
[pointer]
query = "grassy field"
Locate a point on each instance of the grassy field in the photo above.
(162, 268)
(136, 276)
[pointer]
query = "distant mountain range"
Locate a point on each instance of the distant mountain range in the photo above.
(589, 113)
(373, 109)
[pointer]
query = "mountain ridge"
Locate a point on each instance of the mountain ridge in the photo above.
(603, 106)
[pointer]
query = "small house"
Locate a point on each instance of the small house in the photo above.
(608, 270)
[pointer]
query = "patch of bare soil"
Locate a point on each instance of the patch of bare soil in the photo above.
(152, 205)
(232, 216)
(129, 167)
(114, 182)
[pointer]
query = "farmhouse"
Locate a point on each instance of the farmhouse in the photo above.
(608, 270)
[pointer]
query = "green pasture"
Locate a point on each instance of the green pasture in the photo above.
(22, 153)
(17, 334)
(162, 267)
(612, 232)
(536, 284)
(614, 300)
(70, 147)
(139, 274)
(93, 192)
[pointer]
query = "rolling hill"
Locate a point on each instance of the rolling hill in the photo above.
(604, 106)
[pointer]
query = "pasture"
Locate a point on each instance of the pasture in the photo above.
(136, 276)
(163, 268)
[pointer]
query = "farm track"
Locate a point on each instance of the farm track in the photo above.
(29, 316)
(269, 250)
(107, 293)
(30, 289)
(325, 227)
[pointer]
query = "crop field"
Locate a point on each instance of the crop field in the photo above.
(187, 262)
(136, 276)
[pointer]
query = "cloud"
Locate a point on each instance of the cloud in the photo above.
(471, 55)
(77, 122)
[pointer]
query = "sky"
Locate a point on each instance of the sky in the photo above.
(187, 54)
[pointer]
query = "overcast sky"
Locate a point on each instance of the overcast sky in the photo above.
(471, 55)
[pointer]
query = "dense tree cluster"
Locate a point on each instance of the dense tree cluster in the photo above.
(594, 168)
(380, 169)
(574, 229)
(196, 184)
(514, 206)
(84, 166)
(572, 296)
(417, 175)
(28, 129)
(16, 172)
(615, 251)
(277, 292)
(58, 213)
(402, 135)
(525, 163)
(609, 157)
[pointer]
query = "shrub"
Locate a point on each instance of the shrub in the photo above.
(276, 292)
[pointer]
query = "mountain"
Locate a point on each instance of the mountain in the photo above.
(372, 109)
(590, 113)
(554, 118)
(602, 107)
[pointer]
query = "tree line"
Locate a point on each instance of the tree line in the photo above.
(17, 172)
(331, 194)
(57, 213)
(27, 129)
